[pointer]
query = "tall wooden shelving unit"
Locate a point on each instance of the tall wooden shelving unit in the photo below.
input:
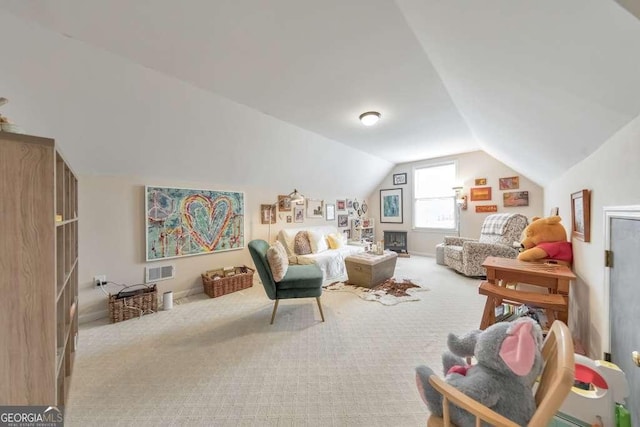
(38, 271)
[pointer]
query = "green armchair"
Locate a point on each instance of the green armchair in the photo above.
(301, 281)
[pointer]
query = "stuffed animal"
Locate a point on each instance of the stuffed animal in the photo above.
(546, 238)
(508, 362)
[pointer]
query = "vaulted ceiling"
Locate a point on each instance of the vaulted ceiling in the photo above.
(537, 84)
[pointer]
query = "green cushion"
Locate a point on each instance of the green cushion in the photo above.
(301, 277)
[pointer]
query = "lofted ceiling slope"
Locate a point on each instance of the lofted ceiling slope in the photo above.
(538, 85)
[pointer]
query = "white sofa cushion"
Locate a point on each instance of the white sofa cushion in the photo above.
(318, 241)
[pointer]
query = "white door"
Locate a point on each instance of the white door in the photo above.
(622, 238)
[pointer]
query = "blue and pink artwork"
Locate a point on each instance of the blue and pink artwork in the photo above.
(184, 222)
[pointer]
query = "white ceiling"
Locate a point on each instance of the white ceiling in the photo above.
(539, 85)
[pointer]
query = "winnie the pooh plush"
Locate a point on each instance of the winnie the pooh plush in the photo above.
(546, 238)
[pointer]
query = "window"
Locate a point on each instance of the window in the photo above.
(434, 205)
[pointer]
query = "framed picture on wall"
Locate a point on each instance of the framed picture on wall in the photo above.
(184, 222)
(391, 205)
(315, 208)
(510, 183)
(480, 193)
(399, 178)
(481, 181)
(515, 198)
(581, 215)
(298, 214)
(330, 212)
(343, 220)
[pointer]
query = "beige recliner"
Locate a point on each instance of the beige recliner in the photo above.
(497, 235)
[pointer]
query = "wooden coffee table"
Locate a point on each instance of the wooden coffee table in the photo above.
(369, 270)
(555, 277)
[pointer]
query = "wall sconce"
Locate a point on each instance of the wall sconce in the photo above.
(461, 199)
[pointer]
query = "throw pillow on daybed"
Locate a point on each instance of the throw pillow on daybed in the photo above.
(336, 240)
(318, 242)
(301, 244)
(278, 260)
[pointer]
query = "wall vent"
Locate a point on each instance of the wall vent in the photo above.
(156, 274)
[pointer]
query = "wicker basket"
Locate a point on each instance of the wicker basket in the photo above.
(123, 307)
(215, 285)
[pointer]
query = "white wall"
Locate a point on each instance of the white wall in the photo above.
(111, 117)
(613, 176)
(112, 236)
(476, 164)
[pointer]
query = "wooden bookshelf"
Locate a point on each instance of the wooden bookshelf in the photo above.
(38, 271)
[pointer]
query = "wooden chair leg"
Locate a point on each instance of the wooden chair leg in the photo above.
(275, 308)
(320, 308)
(489, 314)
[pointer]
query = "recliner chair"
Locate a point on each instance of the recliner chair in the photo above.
(301, 281)
(497, 235)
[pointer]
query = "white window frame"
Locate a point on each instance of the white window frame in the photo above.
(453, 196)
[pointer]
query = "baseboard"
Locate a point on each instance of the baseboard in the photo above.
(103, 314)
(90, 317)
(422, 254)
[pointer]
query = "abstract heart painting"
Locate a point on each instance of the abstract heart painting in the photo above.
(183, 222)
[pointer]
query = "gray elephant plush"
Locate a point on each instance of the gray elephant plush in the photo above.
(508, 362)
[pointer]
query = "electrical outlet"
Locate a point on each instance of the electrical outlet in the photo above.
(100, 280)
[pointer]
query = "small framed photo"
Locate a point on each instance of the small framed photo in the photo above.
(515, 198)
(486, 208)
(284, 203)
(330, 212)
(399, 178)
(554, 211)
(289, 218)
(341, 205)
(298, 214)
(581, 215)
(510, 183)
(315, 208)
(481, 181)
(267, 214)
(349, 203)
(480, 193)
(343, 220)
(347, 233)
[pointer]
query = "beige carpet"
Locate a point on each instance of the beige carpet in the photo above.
(218, 362)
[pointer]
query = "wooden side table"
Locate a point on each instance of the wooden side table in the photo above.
(555, 277)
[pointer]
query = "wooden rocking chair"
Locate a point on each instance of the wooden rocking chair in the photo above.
(553, 387)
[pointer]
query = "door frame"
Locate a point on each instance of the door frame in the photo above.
(611, 212)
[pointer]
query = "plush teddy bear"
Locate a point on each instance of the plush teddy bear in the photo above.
(508, 362)
(545, 238)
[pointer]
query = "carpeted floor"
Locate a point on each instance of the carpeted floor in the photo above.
(218, 362)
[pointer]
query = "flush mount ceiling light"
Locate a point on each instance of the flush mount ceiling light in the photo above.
(369, 118)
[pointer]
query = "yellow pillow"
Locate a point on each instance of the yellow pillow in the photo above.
(336, 241)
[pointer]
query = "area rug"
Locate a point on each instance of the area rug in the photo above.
(389, 292)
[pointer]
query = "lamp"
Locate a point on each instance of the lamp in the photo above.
(461, 204)
(370, 118)
(294, 196)
(3, 101)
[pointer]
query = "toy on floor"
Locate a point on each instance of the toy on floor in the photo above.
(546, 238)
(604, 385)
(508, 362)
